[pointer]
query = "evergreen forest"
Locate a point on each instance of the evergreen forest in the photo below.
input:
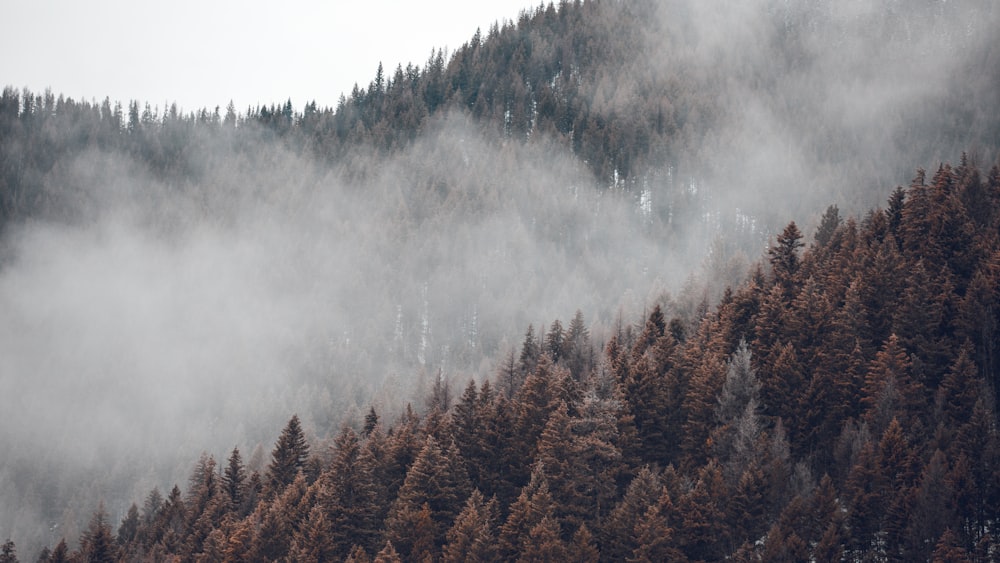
(615, 281)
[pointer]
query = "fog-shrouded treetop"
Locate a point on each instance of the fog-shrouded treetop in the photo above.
(204, 54)
(589, 208)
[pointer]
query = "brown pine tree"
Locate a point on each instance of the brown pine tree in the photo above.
(473, 535)
(97, 544)
(655, 539)
(435, 484)
(347, 494)
(950, 550)
(532, 505)
(544, 543)
(617, 535)
(311, 542)
(388, 554)
(581, 548)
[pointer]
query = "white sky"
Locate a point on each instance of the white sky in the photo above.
(202, 53)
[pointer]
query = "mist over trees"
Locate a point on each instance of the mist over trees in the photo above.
(178, 282)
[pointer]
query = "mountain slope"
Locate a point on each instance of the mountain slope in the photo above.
(169, 276)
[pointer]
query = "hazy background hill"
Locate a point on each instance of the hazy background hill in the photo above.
(180, 282)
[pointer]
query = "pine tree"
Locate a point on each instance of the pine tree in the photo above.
(781, 388)
(534, 402)
(8, 552)
(698, 533)
(889, 390)
(469, 426)
(530, 353)
(170, 525)
(371, 421)
(473, 535)
(532, 505)
(288, 456)
(239, 545)
(97, 545)
(311, 542)
(554, 342)
(581, 548)
(747, 508)
(784, 257)
(348, 496)
(578, 349)
(234, 481)
(950, 550)
(827, 226)
(279, 519)
(932, 512)
(650, 387)
(740, 388)
(436, 482)
(699, 406)
(618, 538)
(655, 539)
(61, 553)
(129, 528)
(956, 398)
(388, 554)
(544, 543)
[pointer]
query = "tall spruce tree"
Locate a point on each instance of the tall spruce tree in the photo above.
(288, 456)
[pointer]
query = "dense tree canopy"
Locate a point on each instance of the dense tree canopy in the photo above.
(836, 399)
(903, 466)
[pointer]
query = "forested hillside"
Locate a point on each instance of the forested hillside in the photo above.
(731, 385)
(839, 405)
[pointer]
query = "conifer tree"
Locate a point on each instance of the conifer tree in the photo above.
(532, 505)
(618, 534)
(371, 421)
(544, 543)
(288, 456)
(239, 545)
(311, 542)
(535, 401)
(555, 341)
(436, 484)
(97, 545)
(950, 550)
(279, 519)
(234, 480)
(388, 554)
(931, 512)
(170, 526)
(469, 425)
(655, 539)
(530, 353)
(747, 509)
(698, 531)
(8, 552)
(348, 496)
(129, 528)
(699, 406)
(956, 398)
(784, 257)
(578, 349)
(827, 226)
(473, 535)
(61, 553)
(581, 548)
(647, 383)
(889, 390)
